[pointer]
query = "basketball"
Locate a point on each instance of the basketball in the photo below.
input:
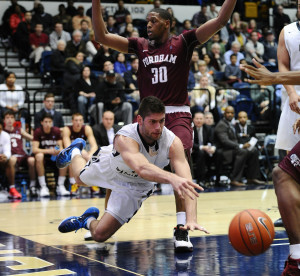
(251, 232)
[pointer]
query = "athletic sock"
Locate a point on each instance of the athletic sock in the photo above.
(75, 152)
(88, 222)
(72, 180)
(61, 180)
(295, 251)
(42, 181)
(32, 183)
(181, 218)
(11, 186)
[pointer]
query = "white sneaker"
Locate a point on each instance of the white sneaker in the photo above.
(61, 191)
(181, 240)
(44, 192)
(88, 236)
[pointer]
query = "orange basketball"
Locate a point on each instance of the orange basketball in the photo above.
(251, 232)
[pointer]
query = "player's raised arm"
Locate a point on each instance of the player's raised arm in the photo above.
(102, 36)
(205, 31)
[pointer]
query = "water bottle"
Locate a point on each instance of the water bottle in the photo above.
(24, 189)
(53, 157)
(209, 144)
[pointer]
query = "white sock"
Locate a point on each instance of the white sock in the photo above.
(61, 180)
(72, 180)
(88, 222)
(75, 152)
(181, 218)
(32, 183)
(295, 251)
(11, 186)
(42, 181)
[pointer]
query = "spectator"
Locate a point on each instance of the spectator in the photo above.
(112, 94)
(280, 20)
(130, 78)
(19, 158)
(85, 91)
(233, 72)
(204, 150)
(63, 18)
(71, 10)
(6, 162)
(156, 4)
(107, 66)
(203, 71)
(175, 23)
(194, 64)
(212, 12)
(209, 66)
(235, 21)
(57, 62)
(235, 49)
(244, 130)
(128, 30)
(215, 39)
(12, 96)
(75, 45)
(104, 54)
(217, 59)
(15, 19)
(57, 119)
(76, 19)
(270, 49)
(253, 27)
(200, 17)
(111, 25)
(209, 119)
(121, 13)
(41, 17)
(238, 36)
(186, 26)
(128, 20)
(45, 139)
(92, 47)
(84, 28)
(58, 34)
(121, 65)
(39, 42)
(235, 153)
(254, 48)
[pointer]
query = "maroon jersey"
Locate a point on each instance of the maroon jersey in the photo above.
(16, 141)
(291, 163)
(164, 69)
(80, 134)
(47, 140)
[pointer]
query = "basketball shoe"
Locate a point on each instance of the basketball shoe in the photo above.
(64, 157)
(13, 193)
(44, 191)
(74, 190)
(75, 223)
(181, 240)
(291, 267)
(62, 191)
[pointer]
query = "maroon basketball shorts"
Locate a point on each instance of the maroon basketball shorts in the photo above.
(22, 160)
(180, 123)
(291, 163)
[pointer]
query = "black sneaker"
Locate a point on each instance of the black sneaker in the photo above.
(181, 240)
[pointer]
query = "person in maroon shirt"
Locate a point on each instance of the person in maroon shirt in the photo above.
(69, 134)
(18, 156)
(163, 72)
(39, 42)
(45, 139)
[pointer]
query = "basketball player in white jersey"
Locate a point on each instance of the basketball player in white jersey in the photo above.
(130, 168)
(289, 60)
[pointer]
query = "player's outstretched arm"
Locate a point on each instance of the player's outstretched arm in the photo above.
(129, 150)
(102, 36)
(205, 31)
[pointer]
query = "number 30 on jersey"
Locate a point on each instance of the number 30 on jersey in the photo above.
(159, 75)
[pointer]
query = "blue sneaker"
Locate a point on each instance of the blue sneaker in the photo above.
(64, 157)
(75, 223)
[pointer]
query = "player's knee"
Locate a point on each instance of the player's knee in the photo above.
(31, 161)
(39, 157)
(100, 237)
(12, 161)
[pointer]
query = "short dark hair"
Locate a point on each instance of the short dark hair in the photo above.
(164, 14)
(8, 73)
(233, 55)
(76, 114)
(47, 115)
(150, 105)
(8, 112)
(48, 95)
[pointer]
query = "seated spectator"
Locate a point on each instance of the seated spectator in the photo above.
(186, 26)
(15, 18)
(128, 20)
(212, 12)
(12, 96)
(215, 39)
(58, 34)
(237, 36)
(108, 66)
(41, 17)
(204, 151)
(235, 21)
(235, 153)
(92, 47)
(75, 45)
(233, 72)
(254, 48)
(69, 133)
(203, 71)
(128, 30)
(63, 18)
(19, 158)
(45, 139)
(121, 65)
(244, 130)
(111, 25)
(6, 163)
(253, 27)
(270, 50)
(280, 20)
(57, 63)
(85, 91)
(39, 42)
(217, 59)
(70, 9)
(57, 119)
(200, 17)
(84, 28)
(76, 19)
(235, 49)
(209, 119)
(194, 63)
(120, 13)
(73, 69)
(209, 66)
(104, 54)
(111, 93)
(176, 25)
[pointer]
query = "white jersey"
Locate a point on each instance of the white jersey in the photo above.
(5, 145)
(286, 139)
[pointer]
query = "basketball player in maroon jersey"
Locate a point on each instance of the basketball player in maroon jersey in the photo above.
(163, 72)
(18, 156)
(69, 134)
(45, 139)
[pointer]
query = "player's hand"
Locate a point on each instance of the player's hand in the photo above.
(185, 187)
(296, 126)
(261, 74)
(193, 226)
(294, 99)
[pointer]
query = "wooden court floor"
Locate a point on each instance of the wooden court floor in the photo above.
(30, 243)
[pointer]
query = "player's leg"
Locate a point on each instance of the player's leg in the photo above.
(32, 175)
(10, 174)
(40, 169)
(61, 189)
(288, 193)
